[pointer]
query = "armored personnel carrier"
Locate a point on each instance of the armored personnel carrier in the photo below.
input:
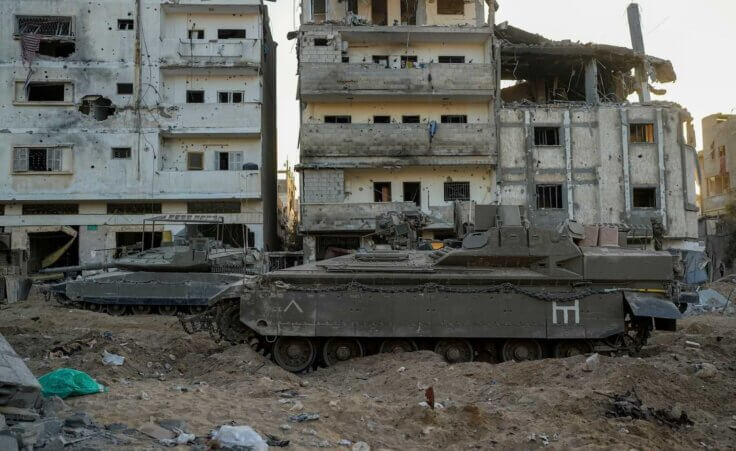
(512, 292)
(179, 275)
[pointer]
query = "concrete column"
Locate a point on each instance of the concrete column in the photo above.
(529, 143)
(568, 165)
(309, 247)
(660, 161)
(479, 13)
(591, 82)
(637, 43)
(625, 162)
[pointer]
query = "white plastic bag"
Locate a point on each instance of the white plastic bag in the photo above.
(240, 436)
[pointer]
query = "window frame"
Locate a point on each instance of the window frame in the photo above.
(57, 159)
(337, 119)
(655, 195)
(191, 167)
(220, 31)
(114, 149)
(453, 59)
(126, 24)
(557, 129)
(20, 96)
(198, 32)
(376, 193)
(119, 85)
(193, 91)
(558, 203)
(26, 209)
(649, 126)
(448, 187)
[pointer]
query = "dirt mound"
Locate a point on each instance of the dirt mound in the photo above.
(381, 399)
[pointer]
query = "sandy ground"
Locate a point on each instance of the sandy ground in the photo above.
(168, 374)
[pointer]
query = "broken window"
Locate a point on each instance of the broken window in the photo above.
(125, 88)
(230, 97)
(408, 12)
(413, 193)
(645, 197)
(454, 119)
(56, 48)
(345, 59)
(411, 119)
(450, 7)
(451, 59)
(44, 25)
(546, 136)
(231, 34)
(408, 61)
(457, 191)
(379, 12)
(195, 96)
(549, 196)
(213, 207)
(381, 59)
(133, 208)
(319, 10)
(2, 209)
(338, 119)
(45, 92)
(381, 119)
(37, 159)
(641, 133)
(321, 42)
(50, 209)
(382, 191)
(229, 161)
(121, 153)
(195, 34)
(353, 6)
(125, 24)
(98, 107)
(195, 161)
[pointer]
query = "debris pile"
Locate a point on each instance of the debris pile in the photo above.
(630, 405)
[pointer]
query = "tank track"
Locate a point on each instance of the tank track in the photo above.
(223, 324)
(119, 309)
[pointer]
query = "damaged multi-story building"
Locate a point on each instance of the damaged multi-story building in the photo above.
(116, 111)
(429, 104)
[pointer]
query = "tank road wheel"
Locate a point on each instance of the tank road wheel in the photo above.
(169, 310)
(396, 345)
(521, 350)
(455, 350)
(341, 349)
(196, 309)
(569, 348)
(93, 307)
(141, 309)
(117, 309)
(294, 354)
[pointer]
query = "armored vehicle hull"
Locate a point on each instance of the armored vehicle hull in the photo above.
(511, 293)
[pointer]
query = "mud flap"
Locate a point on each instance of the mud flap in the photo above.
(664, 312)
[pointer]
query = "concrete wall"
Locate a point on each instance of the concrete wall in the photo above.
(426, 12)
(159, 129)
(719, 131)
(597, 187)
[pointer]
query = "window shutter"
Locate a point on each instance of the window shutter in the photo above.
(53, 159)
(235, 160)
(20, 159)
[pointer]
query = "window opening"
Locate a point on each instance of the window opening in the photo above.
(381, 59)
(121, 153)
(320, 42)
(413, 193)
(381, 119)
(645, 197)
(382, 191)
(195, 161)
(338, 119)
(451, 59)
(454, 119)
(195, 34)
(641, 133)
(195, 96)
(456, 7)
(125, 24)
(546, 136)
(231, 34)
(45, 92)
(133, 208)
(125, 88)
(213, 207)
(50, 209)
(411, 119)
(457, 191)
(549, 196)
(408, 12)
(379, 12)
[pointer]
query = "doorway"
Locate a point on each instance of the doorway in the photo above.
(408, 12)
(413, 193)
(379, 12)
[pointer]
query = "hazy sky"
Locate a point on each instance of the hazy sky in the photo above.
(696, 36)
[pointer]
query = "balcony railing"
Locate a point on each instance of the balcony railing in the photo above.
(237, 118)
(395, 140)
(176, 53)
(432, 79)
(203, 184)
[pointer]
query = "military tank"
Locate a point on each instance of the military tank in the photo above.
(178, 276)
(512, 292)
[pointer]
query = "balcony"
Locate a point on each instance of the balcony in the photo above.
(208, 119)
(342, 81)
(208, 185)
(361, 217)
(178, 54)
(397, 143)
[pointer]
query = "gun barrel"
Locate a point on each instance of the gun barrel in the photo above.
(88, 267)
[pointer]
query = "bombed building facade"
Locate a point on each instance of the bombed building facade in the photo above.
(136, 107)
(429, 104)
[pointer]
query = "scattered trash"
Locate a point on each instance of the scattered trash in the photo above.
(302, 417)
(182, 439)
(345, 442)
(429, 395)
(361, 446)
(692, 344)
(591, 363)
(272, 440)
(630, 405)
(241, 436)
(705, 370)
(66, 382)
(144, 396)
(402, 369)
(285, 427)
(155, 431)
(109, 358)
